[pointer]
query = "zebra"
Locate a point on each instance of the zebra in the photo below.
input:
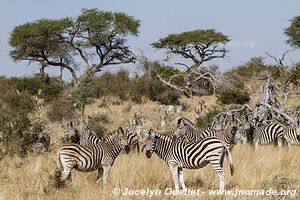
(97, 157)
(39, 102)
(185, 128)
(88, 138)
(73, 133)
(199, 109)
(43, 140)
(291, 132)
(137, 120)
(291, 136)
(266, 134)
(191, 155)
(133, 140)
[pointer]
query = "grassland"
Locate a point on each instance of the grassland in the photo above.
(32, 177)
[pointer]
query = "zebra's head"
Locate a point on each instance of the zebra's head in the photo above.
(150, 143)
(123, 140)
(183, 126)
(43, 140)
(73, 133)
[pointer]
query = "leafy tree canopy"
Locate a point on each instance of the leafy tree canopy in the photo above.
(95, 38)
(193, 38)
(293, 32)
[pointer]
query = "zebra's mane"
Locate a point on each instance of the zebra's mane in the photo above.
(191, 124)
(109, 136)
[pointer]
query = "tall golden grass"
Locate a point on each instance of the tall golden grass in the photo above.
(32, 177)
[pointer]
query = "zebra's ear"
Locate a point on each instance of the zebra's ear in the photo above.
(70, 124)
(120, 131)
(151, 133)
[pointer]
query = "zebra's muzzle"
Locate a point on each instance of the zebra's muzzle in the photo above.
(148, 153)
(127, 149)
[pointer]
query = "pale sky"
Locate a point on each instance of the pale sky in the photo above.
(255, 27)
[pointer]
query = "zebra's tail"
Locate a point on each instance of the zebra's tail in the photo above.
(229, 158)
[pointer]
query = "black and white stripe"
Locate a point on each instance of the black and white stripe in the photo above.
(95, 157)
(191, 155)
(186, 129)
(133, 140)
(267, 134)
(291, 136)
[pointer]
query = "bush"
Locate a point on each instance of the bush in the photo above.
(116, 85)
(60, 109)
(125, 88)
(17, 132)
(50, 87)
(233, 96)
(97, 122)
(206, 120)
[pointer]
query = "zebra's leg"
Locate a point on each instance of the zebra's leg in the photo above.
(66, 170)
(100, 174)
(138, 148)
(66, 175)
(289, 145)
(181, 178)
(174, 171)
(106, 169)
(279, 143)
(219, 171)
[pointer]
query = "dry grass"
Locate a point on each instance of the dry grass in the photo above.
(262, 169)
(31, 178)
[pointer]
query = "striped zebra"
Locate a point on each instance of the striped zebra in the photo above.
(133, 140)
(43, 140)
(292, 135)
(291, 132)
(270, 133)
(97, 157)
(73, 133)
(192, 155)
(186, 129)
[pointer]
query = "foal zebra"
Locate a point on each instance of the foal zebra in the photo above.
(99, 157)
(185, 128)
(192, 155)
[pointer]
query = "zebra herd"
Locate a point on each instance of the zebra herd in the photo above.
(186, 147)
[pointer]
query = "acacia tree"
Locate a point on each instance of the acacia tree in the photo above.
(96, 38)
(197, 46)
(293, 32)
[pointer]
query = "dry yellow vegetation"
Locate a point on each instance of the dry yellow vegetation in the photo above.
(32, 177)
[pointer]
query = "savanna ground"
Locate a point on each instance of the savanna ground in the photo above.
(33, 177)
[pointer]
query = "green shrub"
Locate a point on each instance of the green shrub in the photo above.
(207, 119)
(233, 97)
(97, 122)
(50, 87)
(17, 101)
(60, 109)
(18, 133)
(126, 88)
(116, 85)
